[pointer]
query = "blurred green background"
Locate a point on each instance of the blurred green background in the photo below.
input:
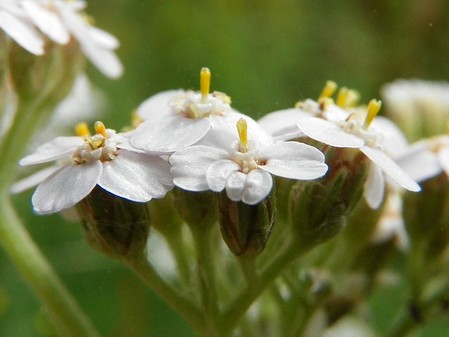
(266, 55)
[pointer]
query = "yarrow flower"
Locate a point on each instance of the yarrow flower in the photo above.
(105, 159)
(241, 160)
(344, 127)
(175, 119)
(26, 20)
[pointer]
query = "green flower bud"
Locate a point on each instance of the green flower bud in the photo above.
(49, 76)
(245, 228)
(115, 226)
(195, 208)
(318, 209)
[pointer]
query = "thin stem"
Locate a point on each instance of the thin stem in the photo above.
(176, 243)
(66, 315)
(203, 239)
(183, 306)
(243, 301)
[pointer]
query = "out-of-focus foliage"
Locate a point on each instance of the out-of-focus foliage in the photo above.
(266, 55)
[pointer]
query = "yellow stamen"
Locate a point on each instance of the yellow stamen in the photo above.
(347, 98)
(100, 129)
(204, 83)
(328, 90)
(82, 130)
(373, 109)
(242, 128)
(342, 97)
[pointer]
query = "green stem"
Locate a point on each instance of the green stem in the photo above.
(184, 307)
(243, 301)
(176, 243)
(203, 239)
(66, 315)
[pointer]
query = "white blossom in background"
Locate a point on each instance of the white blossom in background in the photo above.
(28, 21)
(15, 22)
(84, 103)
(175, 119)
(420, 107)
(105, 159)
(241, 161)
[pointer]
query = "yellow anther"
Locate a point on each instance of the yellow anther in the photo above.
(82, 130)
(373, 109)
(204, 83)
(328, 90)
(342, 97)
(347, 98)
(242, 128)
(100, 129)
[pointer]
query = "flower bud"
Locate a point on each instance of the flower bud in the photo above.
(115, 226)
(49, 76)
(195, 208)
(318, 210)
(245, 228)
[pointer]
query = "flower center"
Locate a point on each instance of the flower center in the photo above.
(243, 156)
(196, 105)
(358, 123)
(97, 147)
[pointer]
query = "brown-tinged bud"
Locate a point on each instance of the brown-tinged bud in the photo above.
(245, 228)
(195, 208)
(115, 226)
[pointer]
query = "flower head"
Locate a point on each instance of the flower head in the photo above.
(105, 159)
(28, 21)
(241, 160)
(175, 119)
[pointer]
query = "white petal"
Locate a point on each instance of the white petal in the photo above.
(189, 166)
(104, 59)
(103, 38)
(48, 22)
(136, 177)
(258, 186)
(33, 180)
(157, 106)
(169, 134)
(66, 187)
(294, 160)
(393, 140)
(24, 34)
(282, 124)
(235, 185)
(328, 133)
(374, 187)
(218, 173)
(389, 167)
(412, 163)
(58, 148)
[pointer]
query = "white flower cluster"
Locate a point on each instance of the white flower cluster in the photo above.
(197, 142)
(29, 22)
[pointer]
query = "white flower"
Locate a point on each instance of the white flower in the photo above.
(175, 119)
(241, 162)
(16, 24)
(104, 159)
(434, 152)
(420, 107)
(356, 131)
(59, 20)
